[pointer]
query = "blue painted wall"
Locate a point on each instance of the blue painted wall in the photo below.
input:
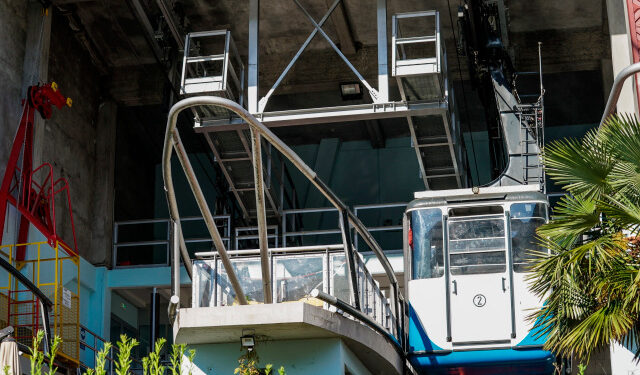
(312, 356)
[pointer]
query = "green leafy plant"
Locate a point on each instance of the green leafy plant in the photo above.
(248, 364)
(6, 369)
(269, 370)
(53, 350)
(123, 360)
(177, 352)
(37, 357)
(101, 360)
(582, 368)
(155, 368)
(591, 279)
(192, 355)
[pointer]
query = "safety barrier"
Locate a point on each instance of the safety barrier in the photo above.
(296, 272)
(55, 272)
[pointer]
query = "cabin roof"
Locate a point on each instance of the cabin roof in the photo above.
(483, 195)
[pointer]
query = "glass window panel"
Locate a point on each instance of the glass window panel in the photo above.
(204, 277)
(250, 277)
(476, 246)
(523, 210)
(525, 219)
(339, 282)
(426, 243)
(297, 276)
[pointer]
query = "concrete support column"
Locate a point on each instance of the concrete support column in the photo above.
(621, 52)
(254, 21)
(36, 63)
(103, 189)
(383, 69)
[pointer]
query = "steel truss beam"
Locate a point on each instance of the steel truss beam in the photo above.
(326, 115)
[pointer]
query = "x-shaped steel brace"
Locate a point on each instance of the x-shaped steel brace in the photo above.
(317, 28)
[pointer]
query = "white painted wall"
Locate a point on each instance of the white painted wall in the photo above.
(622, 362)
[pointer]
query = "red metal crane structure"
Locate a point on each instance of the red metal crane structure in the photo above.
(33, 190)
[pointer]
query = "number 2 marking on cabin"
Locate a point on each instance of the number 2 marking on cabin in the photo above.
(479, 300)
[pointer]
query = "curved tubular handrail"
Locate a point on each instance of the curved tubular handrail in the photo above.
(172, 140)
(617, 89)
(293, 158)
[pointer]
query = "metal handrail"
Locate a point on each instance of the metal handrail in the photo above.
(292, 249)
(617, 89)
(165, 241)
(172, 140)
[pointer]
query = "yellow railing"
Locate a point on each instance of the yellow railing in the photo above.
(55, 270)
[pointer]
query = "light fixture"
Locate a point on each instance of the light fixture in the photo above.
(351, 90)
(248, 342)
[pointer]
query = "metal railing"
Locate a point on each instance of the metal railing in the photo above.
(160, 230)
(295, 232)
(347, 218)
(91, 343)
(360, 209)
(245, 235)
(296, 272)
(407, 57)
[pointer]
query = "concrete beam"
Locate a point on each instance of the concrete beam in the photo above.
(343, 28)
(103, 181)
(137, 85)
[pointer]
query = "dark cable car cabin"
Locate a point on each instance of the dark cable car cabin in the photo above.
(466, 259)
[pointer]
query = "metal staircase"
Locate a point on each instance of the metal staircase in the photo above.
(211, 65)
(420, 67)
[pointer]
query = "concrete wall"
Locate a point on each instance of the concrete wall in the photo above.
(76, 141)
(72, 144)
(13, 24)
(317, 356)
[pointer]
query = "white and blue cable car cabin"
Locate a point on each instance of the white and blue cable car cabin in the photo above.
(467, 255)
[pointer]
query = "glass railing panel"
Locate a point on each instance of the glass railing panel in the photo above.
(204, 283)
(250, 276)
(296, 276)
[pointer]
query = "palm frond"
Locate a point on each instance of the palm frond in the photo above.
(581, 167)
(574, 216)
(621, 135)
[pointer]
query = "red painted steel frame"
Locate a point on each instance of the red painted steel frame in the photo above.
(34, 197)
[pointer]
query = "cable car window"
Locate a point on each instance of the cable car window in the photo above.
(425, 241)
(477, 245)
(525, 219)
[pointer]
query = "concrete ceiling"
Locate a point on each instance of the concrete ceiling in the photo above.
(120, 38)
(132, 47)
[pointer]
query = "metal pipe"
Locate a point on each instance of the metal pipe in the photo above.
(208, 218)
(290, 155)
(175, 264)
(617, 89)
(350, 259)
(272, 250)
(338, 303)
(261, 216)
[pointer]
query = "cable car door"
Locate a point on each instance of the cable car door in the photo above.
(479, 289)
